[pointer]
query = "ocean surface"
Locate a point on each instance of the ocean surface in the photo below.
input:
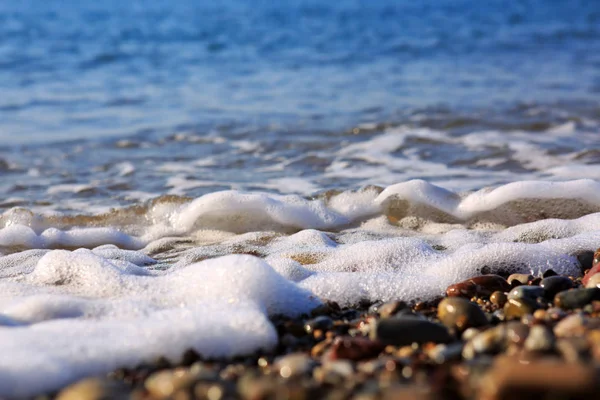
(348, 151)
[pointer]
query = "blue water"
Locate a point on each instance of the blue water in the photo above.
(87, 69)
(116, 102)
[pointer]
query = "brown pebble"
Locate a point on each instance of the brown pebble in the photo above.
(517, 308)
(523, 279)
(354, 349)
(510, 380)
(459, 314)
(94, 389)
(483, 285)
(388, 309)
(164, 383)
(498, 298)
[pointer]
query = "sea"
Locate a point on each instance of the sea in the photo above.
(175, 173)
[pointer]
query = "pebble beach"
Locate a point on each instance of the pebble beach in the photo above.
(299, 200)
(490, 337)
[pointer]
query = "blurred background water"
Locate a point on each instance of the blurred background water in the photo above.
(118, 101)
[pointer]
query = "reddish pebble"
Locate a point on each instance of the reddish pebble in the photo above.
(483, 285)
(354, 348)
(593, 271)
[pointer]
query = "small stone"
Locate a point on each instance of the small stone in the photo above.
(321, 322)
(498, 298)
(540, 339)
(342, 368)
(517, 308)
(522, 279)
(573, 349)
(526, 292)
(469, 333)
(516, 333)
(576, 298)
(319, 348)
(374, 308)
(512, 380)
(592, 272)
(164, 383)
(294, 364)
(354, 348)
(459, 313)
(555, 284)
(388, 309)
(94, 389)
(487, 342)
(483, 285)
(586, 259)
(593, 282)
(407, 330)
(446, 352)
(575, 325)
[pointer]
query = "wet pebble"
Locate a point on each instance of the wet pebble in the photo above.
(321, 323)
(389, 309)
(407, 330)
(555, 284)
(354, 348)
(458, 313)
(586, 259)
(498, 298)
(517, 308)
(521, 279)
(487, 342)
(593, 282)
(526, 293)
(483, 285)
(576, 298)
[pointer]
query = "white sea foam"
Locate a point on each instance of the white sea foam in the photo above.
(176, 276)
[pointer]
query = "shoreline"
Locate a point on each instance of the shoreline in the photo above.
(490, 337)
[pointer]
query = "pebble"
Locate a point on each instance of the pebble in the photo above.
(576, 325)
(576, 298)
(522, 279)
(512, 380)
(498, 298)
(526, 293)
(321, 323)
(592, 272)
(586, 259)
(516, 333)
(446, 352)
(458, 313)
(94, 389)
(406, 330)
(165, 383)
(354, 348)
(388, 309)
(517, 308)
(294, 364)
(555, 284)
(540, 339)
(483, 285)
(593, 282)
(573, 349)
(487, 342)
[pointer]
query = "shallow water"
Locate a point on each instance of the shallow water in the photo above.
(348, 152)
